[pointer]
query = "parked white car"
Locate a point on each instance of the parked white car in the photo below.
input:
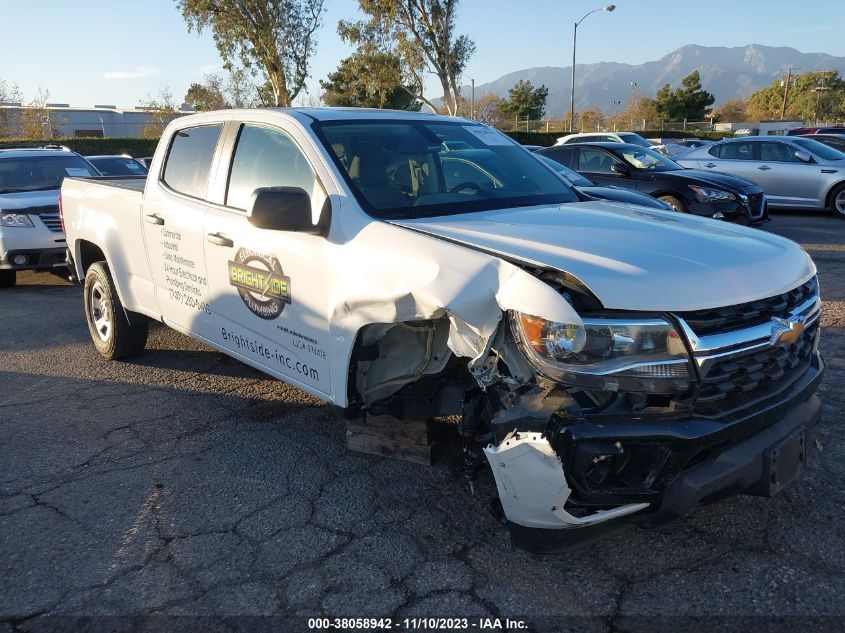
(31, 236)
(611, 362)
(605, 137)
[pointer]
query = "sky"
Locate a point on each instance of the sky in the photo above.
(120, 52)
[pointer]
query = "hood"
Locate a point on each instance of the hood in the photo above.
(634, 258)
(717, 179)
(23, 200)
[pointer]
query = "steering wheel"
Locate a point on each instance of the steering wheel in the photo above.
(466, 185)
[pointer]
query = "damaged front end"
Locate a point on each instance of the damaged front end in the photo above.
(591, 419)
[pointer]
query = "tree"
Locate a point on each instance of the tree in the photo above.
(369, 81)
(278, 36)
(813, 96)
(525, 101)
(639, 109)
(689, 102)
(162, 110)
(489, 109)
(35, 117)
(207, 95)
(9, 93)
(591, 119)
(421, 33)
(732, 110)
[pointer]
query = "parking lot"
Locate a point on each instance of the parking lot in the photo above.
(185, 483)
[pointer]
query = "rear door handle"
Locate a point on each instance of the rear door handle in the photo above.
(219, 240)
(764, 168)
(710, 165)
(154, 219)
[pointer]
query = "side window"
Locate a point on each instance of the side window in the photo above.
(777, 152)
(267, 158)
(734, 151)
(189, 159)
(561, 155)
(608, 139)
(595, 161)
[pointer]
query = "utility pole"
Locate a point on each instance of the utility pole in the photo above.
(472, 101)
(786, 92)
(820, 87)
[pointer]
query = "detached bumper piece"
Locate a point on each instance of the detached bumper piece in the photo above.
(636, 471)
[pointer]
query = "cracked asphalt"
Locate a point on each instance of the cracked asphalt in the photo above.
(185, 483)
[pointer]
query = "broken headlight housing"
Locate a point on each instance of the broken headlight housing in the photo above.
(636, 355)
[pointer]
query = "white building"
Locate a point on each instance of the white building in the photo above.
(60, 120)
(773, 127)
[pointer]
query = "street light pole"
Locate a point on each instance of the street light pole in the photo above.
(608, 8)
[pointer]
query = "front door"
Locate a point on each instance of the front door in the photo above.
(596, 165)
(268, 288)
(173, 216)
(786, 180)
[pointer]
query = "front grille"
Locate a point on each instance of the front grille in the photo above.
(755, 205)
(739, 382)
(743, 315)
(52, 220)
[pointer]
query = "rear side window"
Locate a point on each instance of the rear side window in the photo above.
(189, 159)
(734, 151)
(559, 154)
(267, 158)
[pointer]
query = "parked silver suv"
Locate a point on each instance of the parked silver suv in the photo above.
(794, 172)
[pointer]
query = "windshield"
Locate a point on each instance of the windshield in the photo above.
(649, 160)
(825, 152)
(572, 176)
(36, 173)
(635, 139)
(402, 169)
(118, 166)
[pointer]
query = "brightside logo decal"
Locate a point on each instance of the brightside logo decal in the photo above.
(262, 285)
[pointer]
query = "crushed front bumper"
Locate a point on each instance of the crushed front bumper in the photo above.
(671, 466)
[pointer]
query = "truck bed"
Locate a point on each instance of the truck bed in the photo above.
(133, 183)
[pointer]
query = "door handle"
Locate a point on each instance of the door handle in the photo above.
(154, 219)
(764, 168)
(219, 240)
(710, 165)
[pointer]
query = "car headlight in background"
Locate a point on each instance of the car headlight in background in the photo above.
(705, 194)
(15, 219)
(639, 355)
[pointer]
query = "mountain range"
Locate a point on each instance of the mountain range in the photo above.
(727, 72)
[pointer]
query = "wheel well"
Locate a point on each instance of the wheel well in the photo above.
(828, 200)
(89, 253)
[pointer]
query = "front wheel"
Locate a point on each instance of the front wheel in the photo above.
(115, 332)
(676, 203)
(8, 278)
(837, 200)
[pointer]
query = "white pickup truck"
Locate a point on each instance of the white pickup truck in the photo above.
(612, 363)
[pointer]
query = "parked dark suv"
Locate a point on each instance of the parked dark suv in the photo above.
(703, 193)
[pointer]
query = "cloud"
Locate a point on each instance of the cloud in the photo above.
(139, 71)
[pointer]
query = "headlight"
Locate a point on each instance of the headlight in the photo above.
(15, 219)
(642, 355)
(703, 194)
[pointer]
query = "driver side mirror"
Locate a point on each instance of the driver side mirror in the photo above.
(620, 169)
(803, 156)
(284, 209)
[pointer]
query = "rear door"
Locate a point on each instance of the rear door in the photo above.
(173, 213)
(786, 180)
(732, 157)
(268, 288)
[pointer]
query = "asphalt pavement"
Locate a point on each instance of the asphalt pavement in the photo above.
(182, 482)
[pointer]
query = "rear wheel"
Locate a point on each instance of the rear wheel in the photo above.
(837, 200)
(674, 202)
(115, 332)
(8, 278)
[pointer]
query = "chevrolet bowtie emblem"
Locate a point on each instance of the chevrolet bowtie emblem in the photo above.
(786, 332)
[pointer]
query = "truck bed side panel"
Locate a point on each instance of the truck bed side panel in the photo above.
(107, 213)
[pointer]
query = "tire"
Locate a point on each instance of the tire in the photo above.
(675, 203)
(837, 200)
(8, 278)
(115, 332)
